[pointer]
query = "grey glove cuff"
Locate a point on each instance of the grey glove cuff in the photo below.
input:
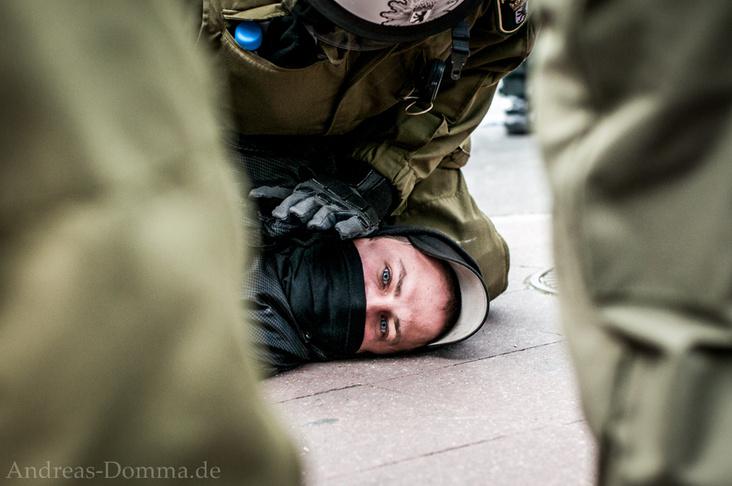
(378, 191)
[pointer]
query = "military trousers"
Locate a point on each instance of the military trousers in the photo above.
(634, 104)
(121, 331)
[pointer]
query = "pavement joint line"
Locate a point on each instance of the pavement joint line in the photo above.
(440, 368)
(505, 353)
(462, 446)
(574, 422)
(322, 392)
(420, 456)
(552, 333)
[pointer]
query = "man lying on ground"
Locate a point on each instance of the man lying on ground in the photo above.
(314, 296)
(399, 290)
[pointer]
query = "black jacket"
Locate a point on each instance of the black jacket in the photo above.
(279, 343)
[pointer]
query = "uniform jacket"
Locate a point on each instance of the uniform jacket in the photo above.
(362, 93)
(359, 98)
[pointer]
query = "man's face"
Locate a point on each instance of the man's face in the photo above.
(406, 295)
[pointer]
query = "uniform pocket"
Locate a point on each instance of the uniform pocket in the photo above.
(270, 99)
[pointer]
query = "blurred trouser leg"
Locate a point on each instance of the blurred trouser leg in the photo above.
(120, 256)
(635, 117)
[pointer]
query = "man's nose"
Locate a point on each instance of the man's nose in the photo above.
(379, 302)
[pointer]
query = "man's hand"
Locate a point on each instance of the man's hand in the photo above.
(324, 203)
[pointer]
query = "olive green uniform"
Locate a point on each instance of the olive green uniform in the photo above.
(635, 119)
(362, 94)
(120, 256)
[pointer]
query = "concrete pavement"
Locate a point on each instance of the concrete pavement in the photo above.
(498, 409)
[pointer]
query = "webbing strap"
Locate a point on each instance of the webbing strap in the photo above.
(460, 48)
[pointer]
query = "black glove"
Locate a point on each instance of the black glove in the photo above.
(325, 203)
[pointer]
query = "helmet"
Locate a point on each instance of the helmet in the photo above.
(394, 21)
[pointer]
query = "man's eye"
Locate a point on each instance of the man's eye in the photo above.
(385, 276)
(383, 326)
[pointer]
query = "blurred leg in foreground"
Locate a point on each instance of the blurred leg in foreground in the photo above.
(120, 257)
(635, 117)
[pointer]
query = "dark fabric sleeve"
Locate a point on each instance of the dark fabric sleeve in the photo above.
(276, 341)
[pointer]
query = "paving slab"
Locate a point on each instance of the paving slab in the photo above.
(500, 408)
(347, 432)
(557, 455)
(414, 416)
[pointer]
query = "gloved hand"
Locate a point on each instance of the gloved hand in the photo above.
(325, 203)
